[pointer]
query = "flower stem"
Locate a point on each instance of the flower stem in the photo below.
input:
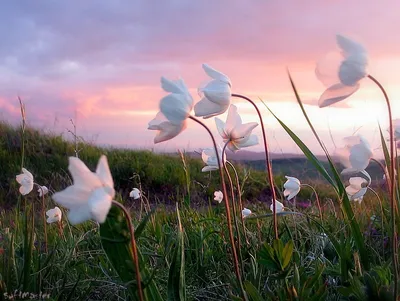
(392, 187)
(267, 162)
(227, 209)
(134, 248)
(317, 200)
(235, 213)
(44, 217)
(240, 199)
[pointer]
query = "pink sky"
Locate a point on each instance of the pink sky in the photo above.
(104, 60)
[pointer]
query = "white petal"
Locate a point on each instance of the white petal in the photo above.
(243, 130)
(154, 123)
(349, 46)
(292, 180)
(175, 108)
(218, 92)
(27, 174)
(79, 214)
(72, 196)
(81, 175)
(205, 108)
(221, 128)
(336, 93)
(327, 68)
(360, 157)
(246, 142)
(209, 168)
(171, 86)
(99, 203)
(104, 173)
(169, 131)
(357, 182)
(351, 71)
(211, 72)
(25, 189)
(232, 120)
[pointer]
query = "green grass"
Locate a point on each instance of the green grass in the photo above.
(77, 267)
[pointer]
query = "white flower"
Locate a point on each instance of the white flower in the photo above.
(216, 94)
(166, 129)
(218, 196)
(176, 106)
(209, 157)
(135, 193)
(246, 212)
(54, 215)
(341, 72)
(279, 207)
(356, 154)
(238, 134)
(355, 190)
(26, 181)
(43, 190)
(292, 187)
(91, 195)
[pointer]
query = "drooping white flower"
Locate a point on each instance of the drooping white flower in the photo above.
(26, 181)
(209, 157)
(292, 187)
(279, 207)
(237, 133)
(91, 195)
(43, 190)
(54, 215)
(341, 72)
(246, 212)
(355, 155)
(177, 105)
(166, 129)
(356, 190)
(218, 196)
(135, 193)
(216, 94)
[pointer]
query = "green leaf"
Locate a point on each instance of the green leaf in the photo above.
(176, 277)
(252, 291)
(287, 253)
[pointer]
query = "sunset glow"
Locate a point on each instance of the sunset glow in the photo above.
(101, 65)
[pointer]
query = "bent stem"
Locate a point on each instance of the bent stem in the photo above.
(134, 248)
(392, 187)
(227, 209)
(235, 213)
(267, 163)
(240, 199)
(317, 200)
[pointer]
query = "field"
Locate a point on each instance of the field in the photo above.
(315, 258)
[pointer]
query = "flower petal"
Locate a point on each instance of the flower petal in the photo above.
(221, 128)
(206, 108)
(249, 141)
(349, 46)
(232, 120)
(82, 176)
(72, 196)
(175, 108)
(169, 131)
(218, 92)
(99, 204)
(243, 130)
(336, 93)
(209, 168)
(211, 72)
(104, 173)
(171, 86)
(79, 214)
(327, 68)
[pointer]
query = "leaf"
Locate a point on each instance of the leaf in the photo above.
(176, 276)
(252, 291)
(287, 253)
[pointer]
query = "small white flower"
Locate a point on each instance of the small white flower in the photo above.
(26, 181)
(292, 187)
(279, 207)
(209, 157)
(341, 72)
(43, 190)
(216, 94)
(177, 105)
(356, 190)
(238, 134)
(356, 154)
(54, 215)
(218, 196)
(91, 195)
(135, 193)
(246, 212)
(166, 129)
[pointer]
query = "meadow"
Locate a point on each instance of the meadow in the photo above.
(135, 225)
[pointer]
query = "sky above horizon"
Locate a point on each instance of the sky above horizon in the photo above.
(100, 63)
